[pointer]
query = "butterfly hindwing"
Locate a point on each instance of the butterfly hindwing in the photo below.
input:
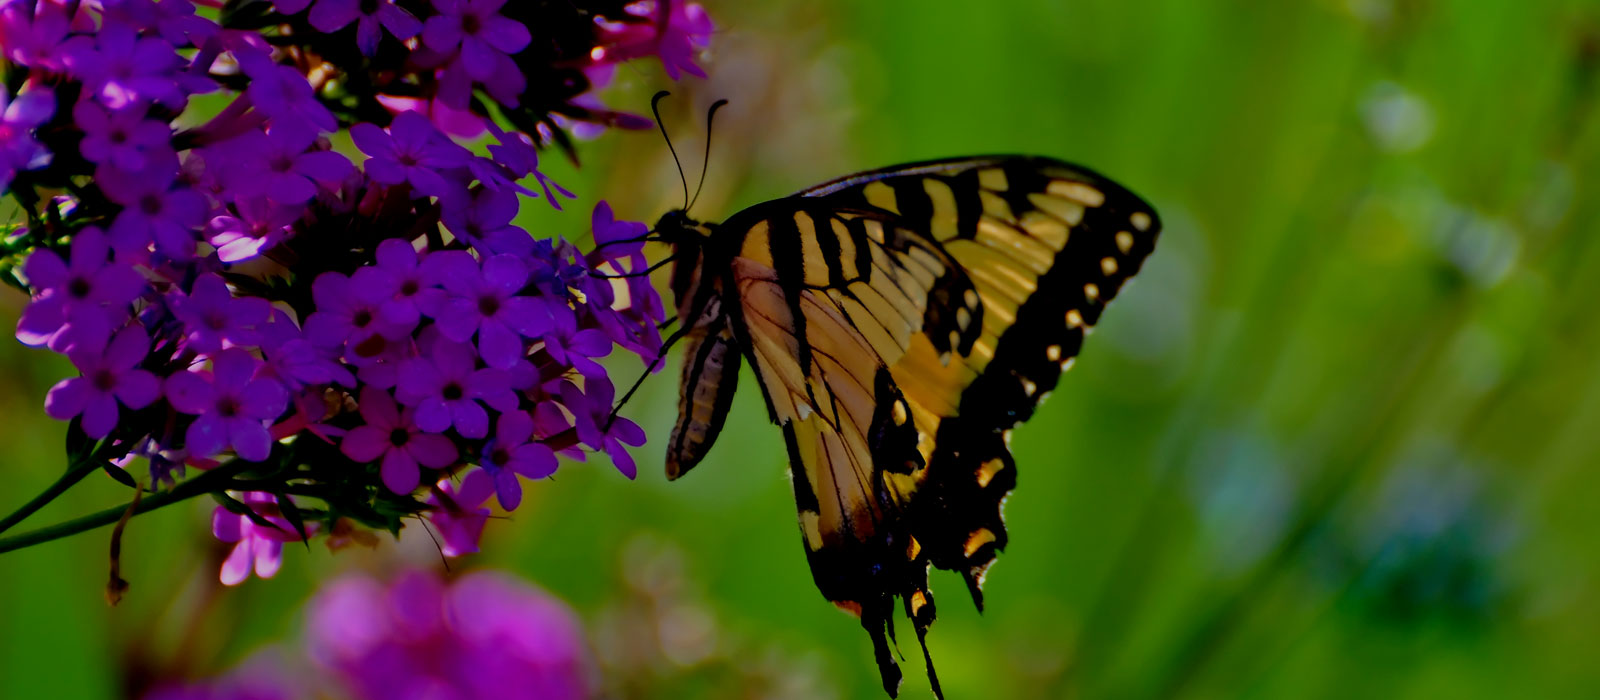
(900, 323)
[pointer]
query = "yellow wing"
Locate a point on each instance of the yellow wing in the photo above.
(901, 322)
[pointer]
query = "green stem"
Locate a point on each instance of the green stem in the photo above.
(75, 473)
(202, 484)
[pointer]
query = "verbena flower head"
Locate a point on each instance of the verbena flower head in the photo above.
(360, 337)
(482, 635)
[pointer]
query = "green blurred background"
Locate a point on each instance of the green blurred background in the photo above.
(1336, 440)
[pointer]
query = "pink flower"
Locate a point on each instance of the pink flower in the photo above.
(259, 547)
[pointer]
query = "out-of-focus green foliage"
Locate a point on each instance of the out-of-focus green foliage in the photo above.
(1338, 439)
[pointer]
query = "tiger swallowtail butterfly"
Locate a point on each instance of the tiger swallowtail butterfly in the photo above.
(900, 323)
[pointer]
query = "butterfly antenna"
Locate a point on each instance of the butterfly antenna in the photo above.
(655, 108)
(706, 163)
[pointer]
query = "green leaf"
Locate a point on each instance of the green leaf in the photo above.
(291, 512)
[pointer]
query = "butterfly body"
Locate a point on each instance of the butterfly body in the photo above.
(900, 322)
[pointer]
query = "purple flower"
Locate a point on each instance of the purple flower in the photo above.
(277, 164)
(110, 375)
(256, 225)
(484, 302)
(414, 294)
(687, 27)
(213, 318)
(333, 15)
(458, 515)
(394, 438)
(175, 20)
(19, 150)
(483, 220)
(614, 238)
(152, 209)
(350, 314)
(485, 635)
(294, 360)
(284, 95)
(119, 68)
(120, 137)
(89, 291)
(517, 153)
(445, 386)
(486, 41)
(510, 453)
(258, 547)
(233, 408)
(410, 151)
(592, 410)
(33, 39)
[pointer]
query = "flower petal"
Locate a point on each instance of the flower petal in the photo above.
(435, 451)
(365, 443)
(400, 472)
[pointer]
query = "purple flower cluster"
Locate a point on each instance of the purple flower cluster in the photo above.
(417, 636)
(367, 330)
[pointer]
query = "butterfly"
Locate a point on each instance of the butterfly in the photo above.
(900, 323)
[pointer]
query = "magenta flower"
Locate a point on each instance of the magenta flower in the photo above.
(232, 408)
(111, 375)
(511, 454)
(483, 636)
(485, 302)
(445, 386)
(123, 137)
(458, 515)
(333, 15)
(410, 151)
(213, 318)
(395, 439)
(90, 292)
(152, 209)
(259, 547)
(255, 226)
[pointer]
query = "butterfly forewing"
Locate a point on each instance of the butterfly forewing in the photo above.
(900, 323)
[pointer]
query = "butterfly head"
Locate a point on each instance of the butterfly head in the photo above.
(688, 239)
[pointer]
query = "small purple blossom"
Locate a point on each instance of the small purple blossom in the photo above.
(111, 375)
(350, 314)
(333, 15)
(598, 428)
(258, 547)
(445, 386)
(394, 438)
(278, 164)
(295, 361)
(213, 318)
(34, 38)
(232, 408)
(284, 95)
(486, 41)
(483, 220)
(19, 150)
(90, 290)
(485, 302)
(152, 209)
(410, 151)
(123, 137)
(458, 514)
(510, 454)
(118, 67)
(255, 225)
